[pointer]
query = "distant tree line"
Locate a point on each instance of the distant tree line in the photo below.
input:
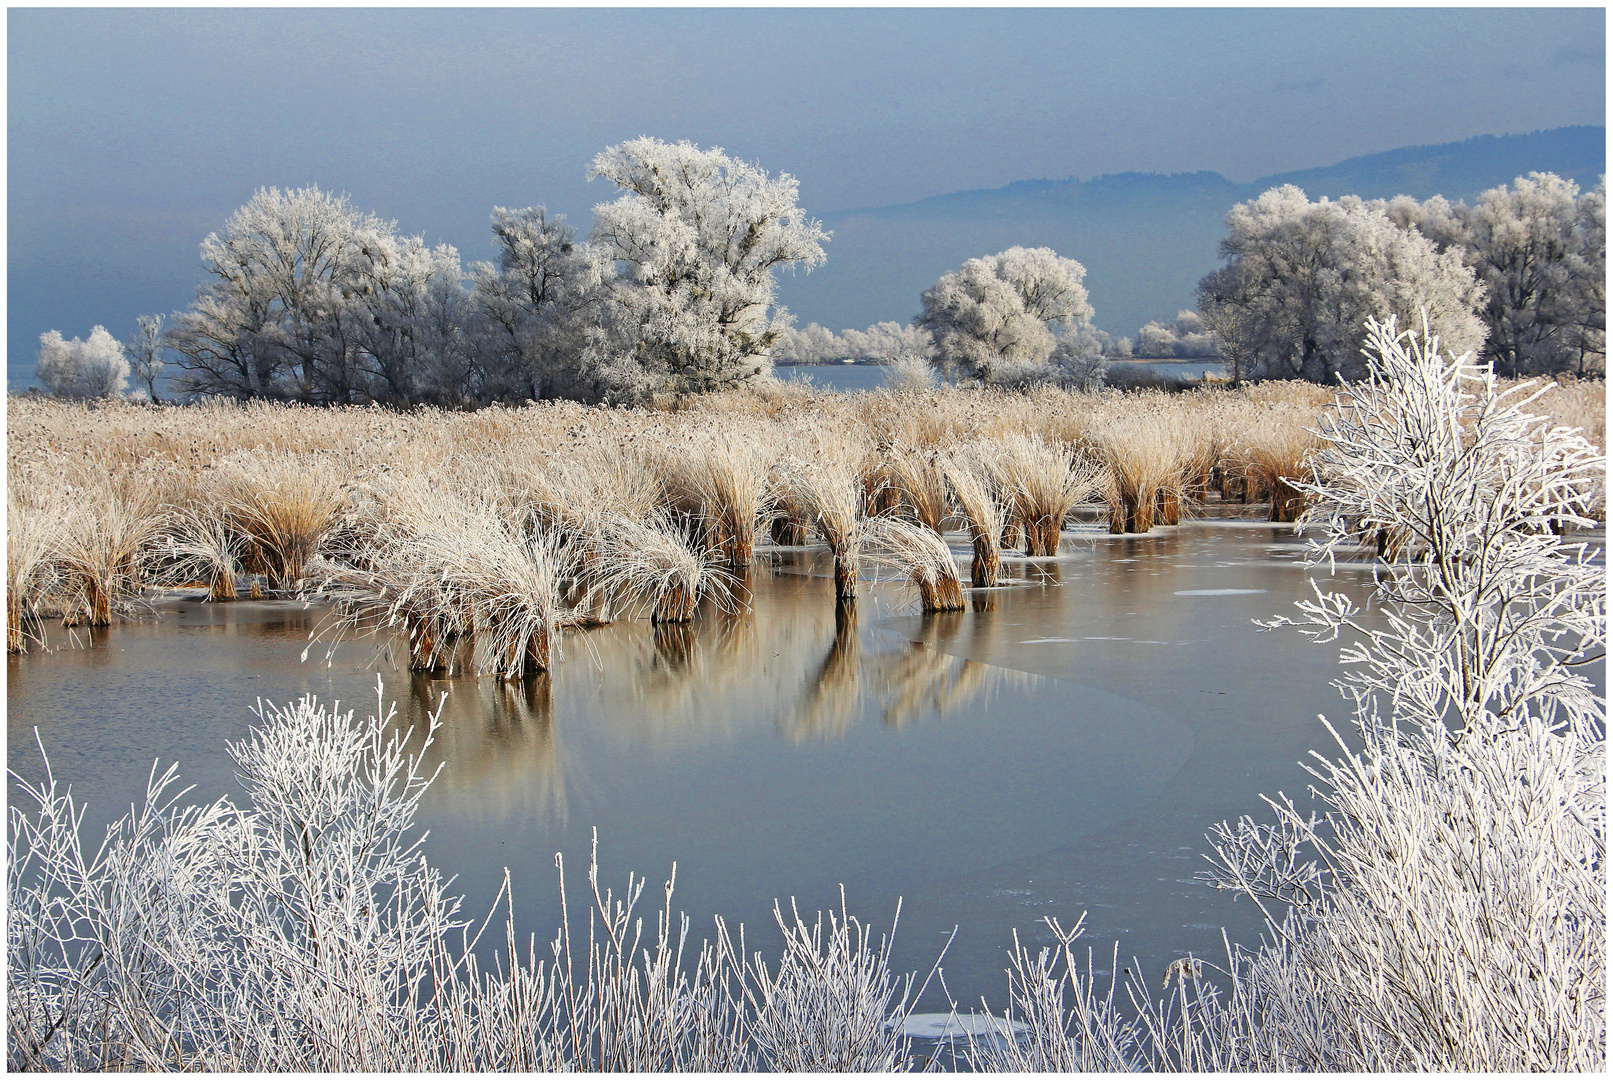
(1519, 277)
(309, 299)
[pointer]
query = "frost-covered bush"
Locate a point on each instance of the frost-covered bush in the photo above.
(1447, 912)
(93, 368)
(304, 931)
(1447, 909)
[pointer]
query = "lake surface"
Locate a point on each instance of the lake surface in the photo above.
(855, 377)
(1061, 748)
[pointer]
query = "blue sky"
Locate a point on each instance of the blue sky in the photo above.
(133, 133)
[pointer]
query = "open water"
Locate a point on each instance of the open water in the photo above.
(1062, 747)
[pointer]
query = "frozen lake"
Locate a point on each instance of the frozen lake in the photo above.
(854, 377)
(1061, 747)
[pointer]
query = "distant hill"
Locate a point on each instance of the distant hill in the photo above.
(1145, 238)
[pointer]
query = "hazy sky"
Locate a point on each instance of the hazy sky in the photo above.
(133, 133)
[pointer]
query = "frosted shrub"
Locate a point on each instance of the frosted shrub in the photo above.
(1448, 911)
(305, 931)
(93, 368)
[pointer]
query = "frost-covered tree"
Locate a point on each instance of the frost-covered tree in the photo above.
(93, 368)
(1156, 339)
(145, 350)
(403, 318)
(1003, 310)
(884, 342)
(268, 322)
(1587, 298)
(1187, 338)
(697, 238)
(813, 345)
(533, 305)
(1540, 248)
(1303, 277)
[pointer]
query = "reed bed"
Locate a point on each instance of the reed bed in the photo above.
(1448, 913)
(247, 496)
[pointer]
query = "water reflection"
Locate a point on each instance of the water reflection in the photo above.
(834, 695)
(498, 741)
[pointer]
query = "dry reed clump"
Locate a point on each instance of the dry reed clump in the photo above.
(444, 563)
(921, 556)
(199, 543)
(1141, 457)
(913, 483)
(719, 479)
(1276, 455)
(108, 528)
(1042, 483)
(34, 585)
(985, 511)
(830, 491)
(652, 562)
(284, 504)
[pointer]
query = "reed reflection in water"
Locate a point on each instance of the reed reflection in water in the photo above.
(811, 670)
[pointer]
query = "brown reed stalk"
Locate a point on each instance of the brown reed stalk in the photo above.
(921, 556)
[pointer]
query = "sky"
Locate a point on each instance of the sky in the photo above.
(132, 133)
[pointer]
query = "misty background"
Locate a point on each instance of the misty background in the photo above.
(921, 137)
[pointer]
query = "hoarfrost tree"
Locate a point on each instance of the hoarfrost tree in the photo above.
(813, 345)
(93, 368)
(532, 305)
(1001, 312)
(1303, 277)
(1187, 338)
(884, 342)
(1540, 249)
(268, 322)
(145, 350)
(404, 317)
(697, 239)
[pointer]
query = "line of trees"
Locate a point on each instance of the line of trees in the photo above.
(308, 298)
(1519, 278)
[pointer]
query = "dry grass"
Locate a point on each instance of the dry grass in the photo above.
(919, 555)
(286, 479)
(284, 504)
